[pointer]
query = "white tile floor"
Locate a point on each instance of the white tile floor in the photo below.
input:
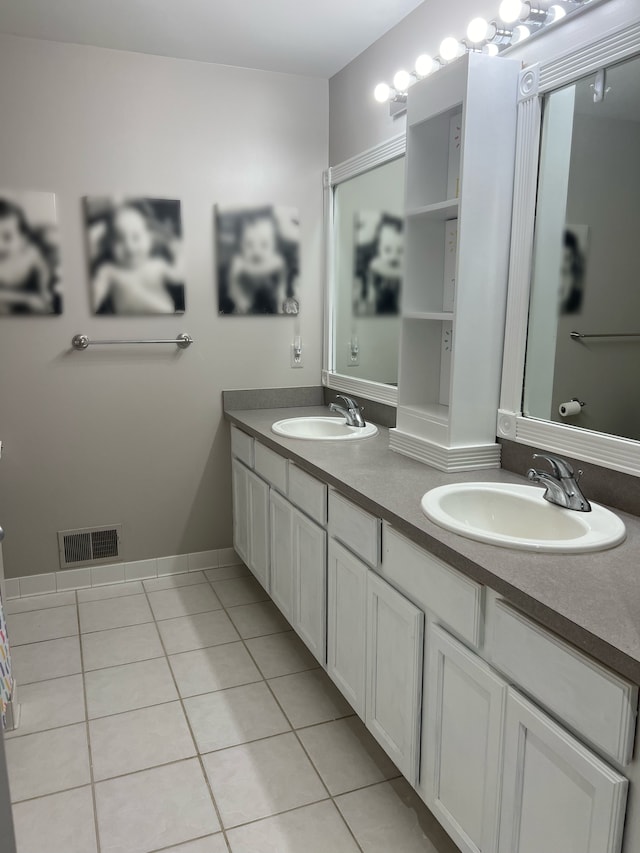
(181, 714)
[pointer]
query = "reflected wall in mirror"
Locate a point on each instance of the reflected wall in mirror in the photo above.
(368, 252)
(586, 276)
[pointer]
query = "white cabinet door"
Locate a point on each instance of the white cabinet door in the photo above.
(282, 553)
(462, 743)
(557, 795)
(310, 584)
(239, 482)
(347, 624)
(258, 498)
(395, 635)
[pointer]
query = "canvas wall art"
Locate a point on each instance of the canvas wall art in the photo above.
(135, 248)
(378, 263)
(30, 278)
(258, 260)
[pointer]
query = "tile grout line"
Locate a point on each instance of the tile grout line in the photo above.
(88, 733)
(294, 730)
(191, 758)
(53, 678)
(188, 723)
(48, 640)
(36, 609)
(52, 793)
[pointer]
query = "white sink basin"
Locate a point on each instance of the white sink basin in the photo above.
(517, 516)
(322, 429)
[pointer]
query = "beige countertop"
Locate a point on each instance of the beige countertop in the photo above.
(592, 600)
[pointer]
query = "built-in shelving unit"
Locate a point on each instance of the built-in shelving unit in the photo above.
(459, 172)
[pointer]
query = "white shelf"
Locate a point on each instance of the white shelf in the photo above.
(445, 316)
(441, 211)
(429, 412)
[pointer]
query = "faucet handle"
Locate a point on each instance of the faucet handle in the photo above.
(559, 466)
(348, 401)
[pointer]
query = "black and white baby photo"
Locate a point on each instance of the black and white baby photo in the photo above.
(378, 263)
(30, 280)
(258, 260)
(575, 244)
(135, 255)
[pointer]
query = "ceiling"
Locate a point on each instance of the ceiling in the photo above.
(309, 37)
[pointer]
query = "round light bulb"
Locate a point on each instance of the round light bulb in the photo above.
(449, 48)
(381, 93)
(554, 13)
(510, 10)
(491, 49)
(520, 33)
(477, 30)
(402, 80)
(425, 64)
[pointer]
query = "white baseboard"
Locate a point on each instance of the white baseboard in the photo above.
(89, 576)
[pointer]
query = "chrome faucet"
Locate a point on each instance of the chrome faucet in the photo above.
(561, 484)
(351, 411)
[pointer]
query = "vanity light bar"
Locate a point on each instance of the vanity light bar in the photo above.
(517, 20)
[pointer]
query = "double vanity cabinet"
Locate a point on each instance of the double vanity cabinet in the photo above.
(516, 740)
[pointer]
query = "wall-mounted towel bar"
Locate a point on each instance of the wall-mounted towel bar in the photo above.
(81, 342)
(578, 336)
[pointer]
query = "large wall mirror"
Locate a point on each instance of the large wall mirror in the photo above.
(365, 272)
(575, 390)
(583, 348)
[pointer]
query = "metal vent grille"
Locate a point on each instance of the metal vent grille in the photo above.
(90, 546)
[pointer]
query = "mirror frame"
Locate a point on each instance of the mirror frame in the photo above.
(380, 154)
(535, 81)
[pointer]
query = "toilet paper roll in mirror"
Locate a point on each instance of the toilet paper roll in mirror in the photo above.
(572, 407)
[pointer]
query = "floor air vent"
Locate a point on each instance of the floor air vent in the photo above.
(90, 546)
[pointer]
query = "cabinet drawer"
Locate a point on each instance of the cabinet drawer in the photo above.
(355, 528)
(591, 699)
(308, 493)
(453, 598)
(242, 446)
(272, 467)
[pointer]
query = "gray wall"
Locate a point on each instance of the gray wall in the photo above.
(137, 436)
